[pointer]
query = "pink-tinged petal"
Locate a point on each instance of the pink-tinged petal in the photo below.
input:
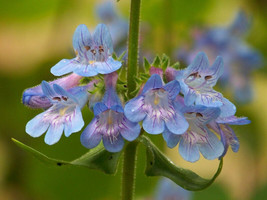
(91, 137)
(54, 133)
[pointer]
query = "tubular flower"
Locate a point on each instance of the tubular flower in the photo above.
(35, 98)
(64, 114)
(197, 82)
(197, 137)
(228, 137)
(155, 107)
(93, 54)
(110, 124)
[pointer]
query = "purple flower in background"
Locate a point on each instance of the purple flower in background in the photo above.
(197, 137)
(93, 54)
(118, 26)
(109, 123)
(168, 190)
(35, 98)
(64, 114)
(239, 58)
(197, 82)
(228, 137)
(155, 107)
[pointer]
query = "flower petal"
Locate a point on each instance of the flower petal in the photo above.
(59, 90)
(108, 66)
(74, 122)
(190, 97)
(99, 108)
(113, 144)
(102, 37)
(133, 109)
(47, 90)
(153, 124)
(54, 133)
(233, 120)
(212, 148)
(215, 71)
(173, 88)
(200, 63)
(153, 82)
(85, 70)
(177, 124)
(227, 109)
(36, 127)
(171, 139)
(90, 137)
(129, 130)
(81, 38)
(188, 149)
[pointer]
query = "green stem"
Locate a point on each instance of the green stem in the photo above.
(133, 46)
(128, 173)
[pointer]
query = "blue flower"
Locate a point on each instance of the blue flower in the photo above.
(64, 114)
(93, 54)
(197, 137)
(35, 98)
(155, 107)
(168, 190)
(197, 82)
(110, 124)
(228, 137)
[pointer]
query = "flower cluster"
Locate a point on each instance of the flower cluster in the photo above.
(228, 42)
(185, 108)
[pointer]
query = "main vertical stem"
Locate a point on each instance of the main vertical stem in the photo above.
(128, 173)
(133, 46)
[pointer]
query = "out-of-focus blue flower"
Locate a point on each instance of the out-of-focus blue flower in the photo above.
(93, 54)
(168, 190)
(228, 137)
(155, 106)
(197, 137)
(239, 58)
(109, 122)
(118, 26)
(64, 114)
(197, 82)
(35, 98)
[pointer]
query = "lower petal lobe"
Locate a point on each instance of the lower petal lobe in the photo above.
(113, 144)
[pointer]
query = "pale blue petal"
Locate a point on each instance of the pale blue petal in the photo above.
(211, 149)
(177, 124)
(36, 127)
(117, 108)
(173, 88)
(190, 97)
(200, 63)
(81, 38)
(59, 90)
(189, 151)
(65, 66)
(102, 37)
(171, 139)
(75, 123)
(108, 66)
(47, 90)
(153, 82)
(215, 71)
(133, 109)
(90, 137)
(233, 120)
(99, 108)
(112, 144)
(130, 130)
(85, 70)
(54, 133)
(153, 124)
(227, 109)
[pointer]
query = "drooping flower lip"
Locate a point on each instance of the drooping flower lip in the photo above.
(93, 54)
(64, 114)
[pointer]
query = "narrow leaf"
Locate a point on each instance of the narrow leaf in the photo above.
(156, 62)
(146, 64)
(159, 165)
(97, 158)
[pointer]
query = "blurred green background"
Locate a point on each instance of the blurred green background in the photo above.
(36, 34)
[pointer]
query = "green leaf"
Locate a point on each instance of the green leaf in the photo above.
(176, 65)
(159, 165)
(156, 62)
(121, 56)
(146, 64)
(97, 158)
